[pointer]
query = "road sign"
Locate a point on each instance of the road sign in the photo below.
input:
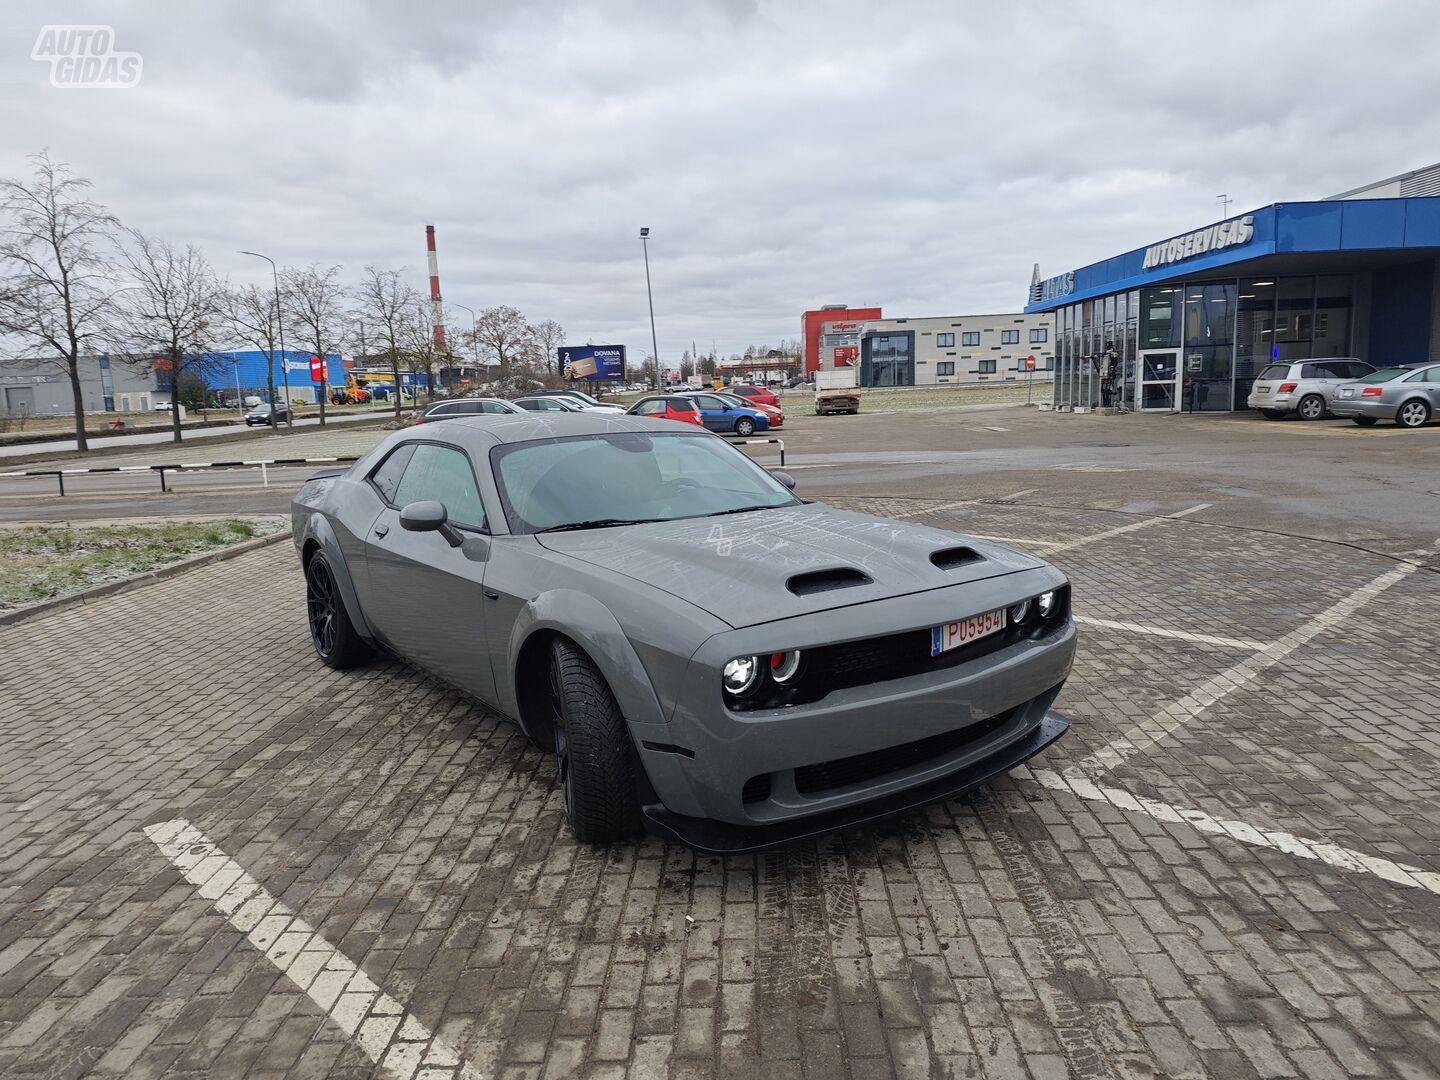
(1029, 363)
(317, 369)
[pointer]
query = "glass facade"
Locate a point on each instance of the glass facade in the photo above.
(888, 359)
(1222, 332)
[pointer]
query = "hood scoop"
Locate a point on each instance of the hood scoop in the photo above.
(956, 557)
(819, 581)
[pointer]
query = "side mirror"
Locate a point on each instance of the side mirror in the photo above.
(429, 516)
(784, 478)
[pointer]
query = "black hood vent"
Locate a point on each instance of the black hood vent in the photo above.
(956, 557)
(818, 581)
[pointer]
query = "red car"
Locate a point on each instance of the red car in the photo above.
(756, 395)
(668, 408)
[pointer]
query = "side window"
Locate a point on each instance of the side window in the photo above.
(1313, 371)
(386, 477)
(681, 404)
(444, 474)
(650, 408)
(1336, 369)
(491, 407)
(1432, 375)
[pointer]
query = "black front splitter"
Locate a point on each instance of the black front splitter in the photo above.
(723, 838)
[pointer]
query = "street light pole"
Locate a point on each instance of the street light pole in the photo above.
(284, 363)
(474, 336)
(654, 344)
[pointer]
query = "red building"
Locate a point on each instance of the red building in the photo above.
(813, 336)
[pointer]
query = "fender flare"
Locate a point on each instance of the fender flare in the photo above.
(591, 625)
(319, 530)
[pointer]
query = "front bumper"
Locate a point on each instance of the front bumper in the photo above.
(1372, 407)
(721, 838)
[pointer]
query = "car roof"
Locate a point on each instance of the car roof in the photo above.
(513, 428)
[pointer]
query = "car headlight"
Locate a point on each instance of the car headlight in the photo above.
(784, 665)
(741, 674)
(1020, 612)
(1047, 602)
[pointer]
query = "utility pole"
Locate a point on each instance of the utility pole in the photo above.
(284, 363)
(1224, 206)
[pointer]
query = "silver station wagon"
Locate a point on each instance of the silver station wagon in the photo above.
(1303, 387)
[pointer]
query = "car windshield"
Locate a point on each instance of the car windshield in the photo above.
(621, 477)
(1385, 374)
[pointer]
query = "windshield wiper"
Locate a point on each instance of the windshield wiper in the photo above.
(598, 523)
(739, 510)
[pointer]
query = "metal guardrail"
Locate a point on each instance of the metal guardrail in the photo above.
(781, 443)
(261, 464)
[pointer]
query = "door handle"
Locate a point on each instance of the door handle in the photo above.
(490, 594)
(381, 530)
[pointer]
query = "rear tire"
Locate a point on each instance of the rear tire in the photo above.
(1413, 414)
(1311, 407)
(593, 754)
(1364, 421)
(745, 426)
(331, 632)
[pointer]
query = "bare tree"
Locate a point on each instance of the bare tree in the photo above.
(253, 317)
(388, 304)
(315, 302)
(418, 343)
(168, 316)
(504, 334)
(55, 280)
(549, 337)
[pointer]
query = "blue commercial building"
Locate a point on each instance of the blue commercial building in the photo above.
(1189, 321)
(244, 370)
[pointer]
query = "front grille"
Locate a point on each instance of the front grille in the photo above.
(881, 659)
(757, 789)
(842, 772)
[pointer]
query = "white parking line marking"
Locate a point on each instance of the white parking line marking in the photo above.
(1341, 858)
(1179, 713)
(957, 505)
(1190, 510)
(1179, 635)
(1121, 530)
(389, 1035)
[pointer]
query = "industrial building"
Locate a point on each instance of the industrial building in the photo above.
(830, 335)
(971, 349)
(1191, 319)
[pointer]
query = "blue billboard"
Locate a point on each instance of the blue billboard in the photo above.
(592, 362)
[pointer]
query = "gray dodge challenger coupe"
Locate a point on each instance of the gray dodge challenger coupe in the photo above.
(707, 656)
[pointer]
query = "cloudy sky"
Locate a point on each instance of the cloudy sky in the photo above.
(784, 154)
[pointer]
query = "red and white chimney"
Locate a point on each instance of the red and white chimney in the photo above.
(437, 310)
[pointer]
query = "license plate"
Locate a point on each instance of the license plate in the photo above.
(1262, 389)
(1347, 393)
(953, 635)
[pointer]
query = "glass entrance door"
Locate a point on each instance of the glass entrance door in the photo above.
(1159, 387)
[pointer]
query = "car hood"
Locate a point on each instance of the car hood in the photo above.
(754, 568)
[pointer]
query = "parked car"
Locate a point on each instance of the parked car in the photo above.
(719, 415)
(161, 406)
(579, 397)
(773, 413)
(260, 414)
(1408, 395)
(1302, 387)
(548, 404)
(754, 394)
(564, 570)
(449, 410)
(668, 407)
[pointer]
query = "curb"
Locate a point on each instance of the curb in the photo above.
(85, 596)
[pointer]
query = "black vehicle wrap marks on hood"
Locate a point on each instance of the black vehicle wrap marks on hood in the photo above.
(736, 567)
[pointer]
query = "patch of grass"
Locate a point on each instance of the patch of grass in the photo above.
(41, 562)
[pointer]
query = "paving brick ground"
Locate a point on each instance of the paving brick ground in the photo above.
(1017, 933)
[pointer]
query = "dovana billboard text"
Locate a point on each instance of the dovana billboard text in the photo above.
(592, 361)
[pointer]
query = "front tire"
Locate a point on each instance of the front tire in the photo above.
(745, 426)
(331, 632)
(593, 754)
(1413, 414)
(1311, 407)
